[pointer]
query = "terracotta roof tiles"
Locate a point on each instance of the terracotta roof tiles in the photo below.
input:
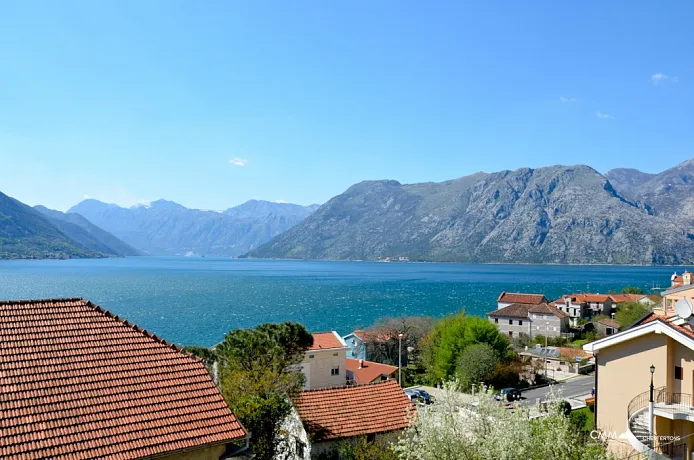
(369, 370)
(78, 382)
(326, 340)
(516, 297)
(343, 412)
(515, 310)
(547, 309)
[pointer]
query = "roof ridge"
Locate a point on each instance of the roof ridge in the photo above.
(142, 331)
(47, 300)
(340, 387)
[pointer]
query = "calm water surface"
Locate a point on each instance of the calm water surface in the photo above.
(196, 300)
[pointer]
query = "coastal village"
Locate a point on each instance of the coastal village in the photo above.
(80, 382)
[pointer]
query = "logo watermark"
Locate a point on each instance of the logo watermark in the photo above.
(599, 435)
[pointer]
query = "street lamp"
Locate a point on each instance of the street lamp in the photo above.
(400, 359)
(650, 406)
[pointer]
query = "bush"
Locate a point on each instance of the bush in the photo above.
(591, 406)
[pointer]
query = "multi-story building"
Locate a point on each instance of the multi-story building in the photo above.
(325, 362)
(583, 306)
(645, 382)
(542, 319)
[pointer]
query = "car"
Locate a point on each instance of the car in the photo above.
(508, 394)
(419, 396)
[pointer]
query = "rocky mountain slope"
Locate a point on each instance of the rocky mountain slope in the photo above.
(27, 234)
(669, 194)
(167, 228)
(79, 229)
(559, 214)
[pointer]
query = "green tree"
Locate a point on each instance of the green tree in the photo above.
(476, 365)
(259, 375)
(442, 348)
(632, 290)
(629, 312)
(208, 356)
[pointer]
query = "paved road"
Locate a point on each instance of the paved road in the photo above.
(577, 386)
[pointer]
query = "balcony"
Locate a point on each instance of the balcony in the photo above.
(675, 406)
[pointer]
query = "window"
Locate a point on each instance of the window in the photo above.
(555, 328)
(520, 322)
(678, 373)
(334, 354)
(510, 322)
(335, 371)
(510, 333)
(370, 437)
(311, 356)
(496, 320)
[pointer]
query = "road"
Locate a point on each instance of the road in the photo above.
(578, 386)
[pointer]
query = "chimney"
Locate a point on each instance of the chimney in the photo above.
(361, 363)
(687, 278)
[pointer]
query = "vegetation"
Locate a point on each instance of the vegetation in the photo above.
(258, 376)
(629, 312)
(632, 290)
(382, 342)
(449, 430)
(476, 365)
(359, 449)
(442, 348)
(583, 419)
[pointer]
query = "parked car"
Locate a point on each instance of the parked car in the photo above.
(419, 396)
(508, 394)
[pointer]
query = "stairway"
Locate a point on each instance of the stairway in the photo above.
(639, 428)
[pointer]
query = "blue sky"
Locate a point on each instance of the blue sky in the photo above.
(213, 103)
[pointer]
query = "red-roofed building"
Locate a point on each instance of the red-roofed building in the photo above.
(360, 371)
(584, 306)
(507, 298)
(378, 411)
(657, 350)
(324, 363)
(540, 319)
(78, 382)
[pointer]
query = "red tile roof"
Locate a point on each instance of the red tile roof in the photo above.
(342, 412)
(369, 371)
(515, 297)
(326, 340)
(609, 323)
(619, 298)
(584, 298)
(515, 310)
(573, 353)
(547, 309)
(77, 382)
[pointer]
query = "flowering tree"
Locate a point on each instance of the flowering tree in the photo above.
(458, 427)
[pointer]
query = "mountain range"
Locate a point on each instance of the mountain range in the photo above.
(167, 228)
(27, 233)
(557, 214)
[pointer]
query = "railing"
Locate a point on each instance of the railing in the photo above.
(673, 403)
(663, 401)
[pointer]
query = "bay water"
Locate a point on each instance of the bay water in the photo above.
(195, 301)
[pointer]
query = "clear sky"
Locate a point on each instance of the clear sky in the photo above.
(210, 104)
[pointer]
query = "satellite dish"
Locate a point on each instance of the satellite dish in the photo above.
(683, 308)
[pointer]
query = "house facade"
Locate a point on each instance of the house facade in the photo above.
(584, 306)
(658, 349)
(79, 382)
(542, 319)
(324, 363)
(357, 346)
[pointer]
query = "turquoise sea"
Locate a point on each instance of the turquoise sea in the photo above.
(197, 300)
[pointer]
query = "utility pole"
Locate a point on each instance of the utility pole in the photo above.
(546, 334)
(400, 359)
